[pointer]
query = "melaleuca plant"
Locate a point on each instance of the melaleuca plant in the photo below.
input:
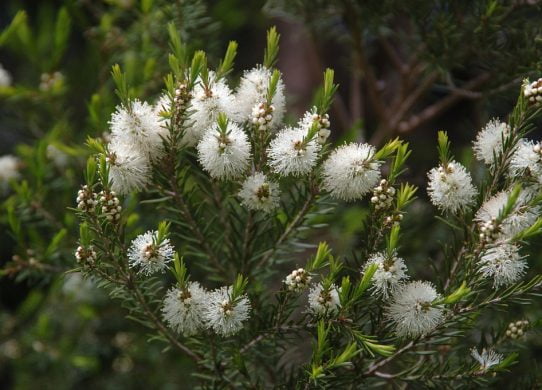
(197, 201)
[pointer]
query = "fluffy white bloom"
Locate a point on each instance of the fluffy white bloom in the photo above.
(253, 90)
(9, 170)
(527, 159)
(350, 171)
(224, 156)
(259, 193)
(5, 77)
(390, 273)
(487, 359)
(149, 255)
(224, 316)
(322, 302)
(129, 169)
(521, 217)
(183, 310)
(290, 154)
(206, 104)
(411, 310)
(450, 188)
(488, 143)
(141, 128)
(503, 264)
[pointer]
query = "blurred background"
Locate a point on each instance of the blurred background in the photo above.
(405, 69)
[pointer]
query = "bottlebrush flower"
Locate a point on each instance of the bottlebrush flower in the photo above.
(503, 264)
(322, 301)
(252, 91)
(129, 169)
(412, 311)
(224, 154)
(259, 193)
(223, 315)
(487, 359)
(183, 309)
(148, 254)
(390, 273)
(489, 141)
(450, 187)
(206, 104)
(350, 171)
(291, 154)
(527, 160)
(521, 217)
(140, 127)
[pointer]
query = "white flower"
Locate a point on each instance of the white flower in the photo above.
(290, 154)
(411, 310)
(253, 90)
(224, 316)
(297, 280)
(140, 128)
(489, 141)
(322, 122)
(9, 170)
(350, 171)
(390, 273)
(206, 104)
(148, 254)
(258, 193)
(503, 264)
(323, 302)
(487, 359)
(5, 77)
(527, 159)
(450, 188)
(129, 169)
(183, 309)
(520, 218)
(225, 155)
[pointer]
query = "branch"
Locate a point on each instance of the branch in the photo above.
(439, 107)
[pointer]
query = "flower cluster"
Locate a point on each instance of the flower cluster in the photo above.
(183, 308)
(412, 311)
(450, 187)
(86, 255)
(190, 309)
(533, 91)
(351, 171)
(86, 199)
(383, 195)
(389, 275)
(527, 160)
(322, 124)
(259, 193)
(110, 205)
(324, 301)
(489, 141)
(517, 329)
(149, 255)
(297, 280)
